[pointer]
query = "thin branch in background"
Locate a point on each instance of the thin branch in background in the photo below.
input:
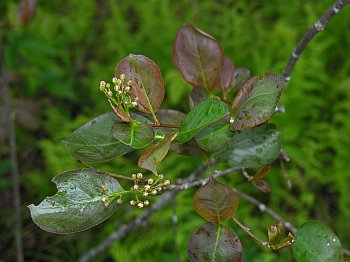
(13, 156)
(310, 34)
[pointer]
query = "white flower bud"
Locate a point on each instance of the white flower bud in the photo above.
(108, 85)
(132, 202)
(134, 104)
(120, 92)
(109, 93)
(146, 202)
(167, 182)
(154, 192)
(135, 187)
(139, 175)
(136, 99)
(159, 189)
(147, 187)
(145, 194)
(116, 88)
(122, 77)
(133, 176)
(150, 181)
(103, 83)
(129, 83)
(119, 201)
(140, 205)
(114, 80)
(161, 176)
(127, 88)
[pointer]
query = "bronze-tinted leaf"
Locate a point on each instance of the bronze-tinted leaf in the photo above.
(198, 95)
(214, 242)
(226, 76)
(256, 101)
(147, 81)
(262, 172)
(215, 202)
(198, 57)
(156, 153)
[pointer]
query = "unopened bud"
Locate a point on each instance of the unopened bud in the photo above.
(134, 104)
(127, 88)
(132, 202)
(129, 83)
(102, 83)
(140, 205)
(150, 181)
(146, 202)
(139, 175)
(154, 192)
(114, 80)
(122, 77)
(133, 176)
(161, 176)
(109, 93)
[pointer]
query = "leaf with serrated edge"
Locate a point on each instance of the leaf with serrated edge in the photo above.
(214, 242)
(256, 101)
(78, 204)
(94, 142)
(147, 81)
(215, 202)
(198, 57)
(155, 154)
(316, 242)
(207, 112)
(255, 147)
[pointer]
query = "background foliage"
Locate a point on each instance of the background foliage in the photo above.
(58, 60)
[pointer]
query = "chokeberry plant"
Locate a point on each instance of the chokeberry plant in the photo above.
(228, 124)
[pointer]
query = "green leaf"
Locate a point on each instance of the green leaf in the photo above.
(256, 101)
(255, 147)
(137, 133)
(155, 154)
(215, 137)
(215, 202)
(84, 199)
(214, 242)
(207, 112)
(94, 142)
(198, 57)
(316, 242)
(147, 81)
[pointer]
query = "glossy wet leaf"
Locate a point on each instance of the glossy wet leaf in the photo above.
(155, 154)
(204, 114)
(316, 242)
(198, 57)
(215, 137)
(197, 95)
(256, 101)
(215, 201)
(214, 242)
(147, 81)
(78, 204)
(226, 75)
(94, 142)
(255, 147)
(137, 134)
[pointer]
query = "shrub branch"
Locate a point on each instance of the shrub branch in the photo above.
(310, 34)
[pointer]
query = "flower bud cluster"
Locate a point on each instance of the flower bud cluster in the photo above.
(143, 188)
(119, 94)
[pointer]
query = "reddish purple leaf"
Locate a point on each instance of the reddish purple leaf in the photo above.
(227, 73)
(262, 185)
(198, 57)
(147, 81)
(215, 202)
(262, 172)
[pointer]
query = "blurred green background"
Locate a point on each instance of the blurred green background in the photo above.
(55, 65)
